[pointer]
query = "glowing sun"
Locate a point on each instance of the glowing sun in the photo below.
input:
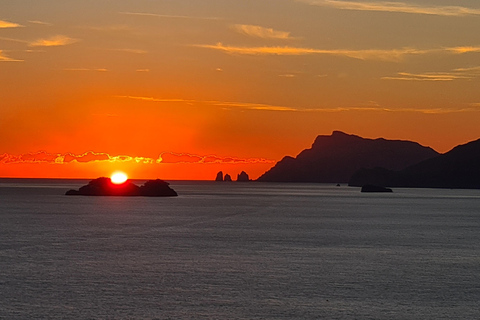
(118, 177)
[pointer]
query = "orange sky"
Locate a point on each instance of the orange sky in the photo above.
(245, 81)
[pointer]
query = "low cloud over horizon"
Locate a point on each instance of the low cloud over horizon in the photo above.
(90, 156)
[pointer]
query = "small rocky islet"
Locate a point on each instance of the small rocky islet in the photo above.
(105, 187)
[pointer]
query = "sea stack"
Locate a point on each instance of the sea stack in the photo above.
(243, 177)
(219, 176)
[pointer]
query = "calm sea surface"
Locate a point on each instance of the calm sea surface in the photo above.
(239, 251)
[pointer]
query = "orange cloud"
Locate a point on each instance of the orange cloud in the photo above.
(7, 24)
(405, 76)
(155, 15)
(55, 41)
(400, 7)
(40, 156)
(376, 108)
(466, 49)
(367, 54)
(90, 156)
(178, 158)
(86, 157)
(261, 32)
(3, 57)
(456, 74)
(41, 23)
(168, 157)
(86, 69)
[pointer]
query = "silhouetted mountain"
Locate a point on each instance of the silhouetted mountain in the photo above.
(227, 178)
(104, 187)
(456, 169)
(337, 157)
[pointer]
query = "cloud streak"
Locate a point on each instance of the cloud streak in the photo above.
(241, 105)
(267, 107)
(261, 32)
(54, 41)
(463, 50)
(4, 58)
(456, 74)
(6, 24)
(155, 15)
(43, 23)
(368, 54)
(86, 69)
(392, 55)
(169, 157)
(90, 156)
(432, 76)
(398, 7)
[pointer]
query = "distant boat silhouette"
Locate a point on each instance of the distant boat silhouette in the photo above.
(373, 188)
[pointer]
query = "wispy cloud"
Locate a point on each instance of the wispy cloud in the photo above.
(397, 110)
(54, 41)
(400, 7)
(3, 57)
(152, 99)
(394, 55)
(456, 74)
(287, 75)
(134, 51)
(86, 69)
(368, 107)
(368, 54)
(111, 28)
(252, 106)
(469, 70)
(6, 24)
(155, 15)
(240, 105)
(13, 40)
(432, 76)
(261, 32)
(43, 23)
(462, 50)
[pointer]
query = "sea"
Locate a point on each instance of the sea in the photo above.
(238, 251)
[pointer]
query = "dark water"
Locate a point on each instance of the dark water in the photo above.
(239, 251)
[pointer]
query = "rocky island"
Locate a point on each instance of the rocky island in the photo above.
(105, 187)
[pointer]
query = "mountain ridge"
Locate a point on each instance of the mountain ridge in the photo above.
(458, 168)
(335, 158)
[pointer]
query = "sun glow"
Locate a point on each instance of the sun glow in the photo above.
(118, 177)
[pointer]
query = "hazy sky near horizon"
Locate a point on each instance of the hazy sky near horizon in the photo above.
(244, 81)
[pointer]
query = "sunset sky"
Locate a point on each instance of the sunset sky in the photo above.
(180, 89)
